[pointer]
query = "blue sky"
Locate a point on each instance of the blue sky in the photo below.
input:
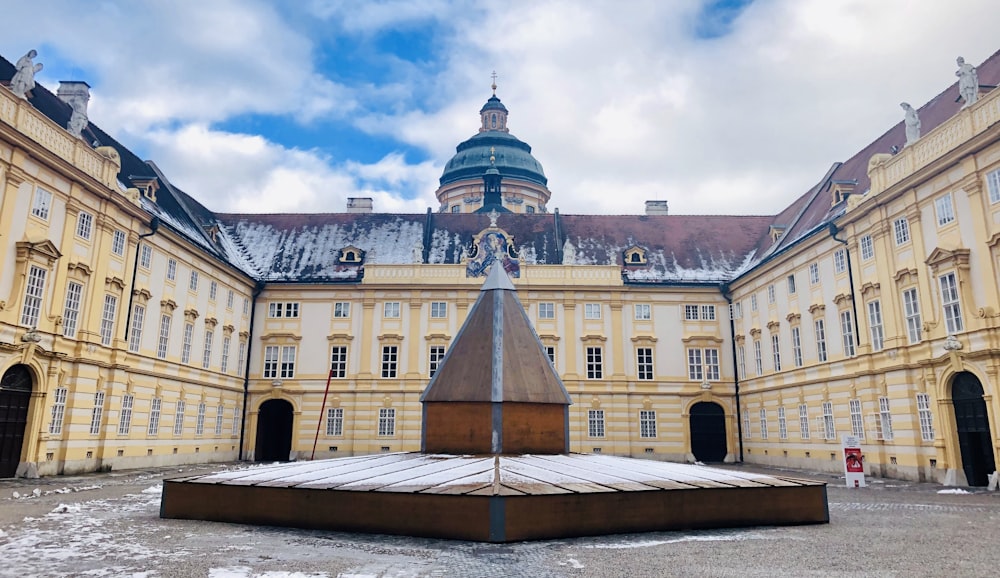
(718, 106)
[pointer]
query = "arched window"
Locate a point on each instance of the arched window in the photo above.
(493, 120)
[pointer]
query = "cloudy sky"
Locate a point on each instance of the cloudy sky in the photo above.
(717, 106)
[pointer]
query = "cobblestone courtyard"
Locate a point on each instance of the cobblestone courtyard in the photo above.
(109, 525)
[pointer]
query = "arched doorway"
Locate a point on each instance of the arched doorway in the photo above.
(15, 394)
(708, 432)
(974, 439)
(274, 431)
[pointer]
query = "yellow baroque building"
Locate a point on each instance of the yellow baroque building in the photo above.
(138, 327)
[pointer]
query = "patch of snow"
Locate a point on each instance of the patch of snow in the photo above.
(66, 509)
(246, 572)
(572, 563)
(954, 491)
(646, 543)
(157, 489)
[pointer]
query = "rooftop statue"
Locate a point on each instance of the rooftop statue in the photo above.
(968, 82)
(78, 121)
(911, 120)
(24, 78)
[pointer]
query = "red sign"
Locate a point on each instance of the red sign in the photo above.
(854, 460)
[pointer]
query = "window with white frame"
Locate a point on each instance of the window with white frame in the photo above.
(71, 312)
(341, 310)
(546, 310)
(847, 330)
(925, 416)
(712, 372)
(595, 423)
(271, 354)
(224, 358)
(145, 256)
(950, 301)
(595, 362)
(944, 209)
(875, 324)
(179, 418)
(796, 347)
(993, 184)
(193, 281)
(439, 310)
(642, 311)
(108, 314)
(390, 310)
(647, 423)
(820, 326)
(153, 427)
(690, 312)
(708, 312)
(791, 284)
(236, 422)
(885, 418)
(839, 261)
(757, 358)
(118, 243)
(163, 339)
(230, 297)
(206, 359)
(763, 424)
(125, 419)
(135, 331)
(213, 290)
(550, 352)
(829, 427)
(199, 425)
(644, 363)
(435, 356)
(34, 291)
(857, 423)
(911, 310)
(753, 302)
(288, 361)
(84, 225)
(97, 413)
(770, 295)
(42, 204)
(776, 351)
(386, 422)
(390, 361)
(246, 307)
(782, 424)
(747, 431)
(696, 367)
(186, 342)
(58, 410)
(901, 230)
(736, 310)
(218, 419)
(171, 269)
(741, 361)
(803, 421)
(592, 311)
(338, 361)
(813, 273)
(241, 358)
(282, 309)
(867, 248)
(335, 421)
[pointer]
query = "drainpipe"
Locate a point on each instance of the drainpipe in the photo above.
(724, 288)
(154, 225)
(850, 281)
(257, 290)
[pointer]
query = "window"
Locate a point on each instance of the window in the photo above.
(288, 361)
(796, 347)
(647, 423)
(193, 282)
(236, 422)
(690, 312)
(341, 310)
(829, 428)
(206, 359)
(708, 312)
(439, 310)
(125, 420)
(96, 414)
(926, 418)
(118, 243)
(241, 358)
(847, 330)
(84, 225)
(386, 421)
(164, 337)
(171, 269)
(546, 310)
(993, 184)
(592, 311)
(550, 351)
(224, 361)
(71, 313)
(135, 337)
(782, 424)
(179, 418)
(390, 360)
(108, 319)
(821, 339)
(911, 308)
(791, 284)
(338, 361)
(335, 421)
(703, 364)
(776, 352)
(952, 307)
(944, 209)
(33, 294)
(218, 419)
(456, 209)
(857, 424)
(901, 230)
(58, 410)
(753, 302)
(644, 363)
(246, 306)
(885, 418)
(43, 203)
(875, 323)
(867, 249)
(736, 310)
(741, 361)
(595, 363)
(154, 417)
(758, 361)
(763, 424)
(529, 209)
(271, 353)
(595, 423)
(230, 296)
(803, 421)
(145, 256)
(642, 311)
(213, 290)
(770, 295)
(747, 432)
(391, 310)
(839, 261)
(186, 343)
(436, 354)
(199, 428)
(813, 273)
(275, 309)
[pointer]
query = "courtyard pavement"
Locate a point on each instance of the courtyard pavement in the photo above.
(108, 525)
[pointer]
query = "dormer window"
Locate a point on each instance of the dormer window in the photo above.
(841, 190)
(776, 231)
(635, 255)
(351, 254)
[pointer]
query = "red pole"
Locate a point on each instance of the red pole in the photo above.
(322, 409)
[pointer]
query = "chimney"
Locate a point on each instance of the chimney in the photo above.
(656, 207)
(359, 205)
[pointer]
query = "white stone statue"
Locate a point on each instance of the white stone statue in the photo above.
(569, 253)
(78, 121)
(968, 82)
(911, 121)
(24, 78)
